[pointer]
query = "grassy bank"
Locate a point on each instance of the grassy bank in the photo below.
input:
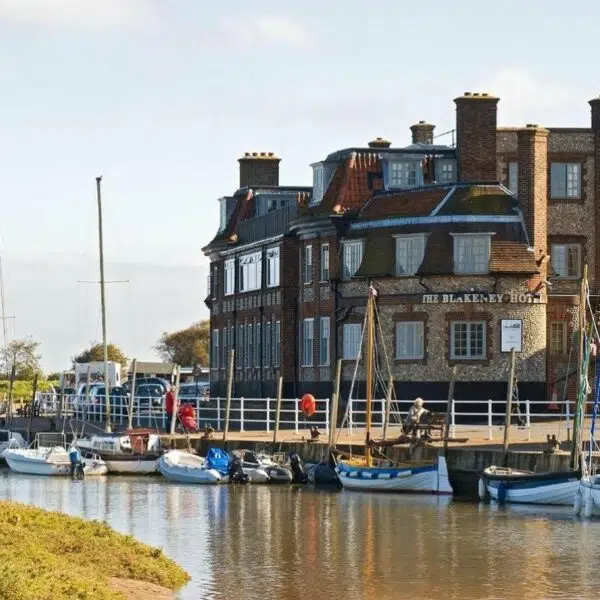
(50, 556)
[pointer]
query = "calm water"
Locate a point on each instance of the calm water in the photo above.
(269, 542)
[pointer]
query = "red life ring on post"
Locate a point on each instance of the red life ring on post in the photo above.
(308, 405)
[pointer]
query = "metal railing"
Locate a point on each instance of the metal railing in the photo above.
(258, 414)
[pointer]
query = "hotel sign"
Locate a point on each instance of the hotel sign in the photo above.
(483, 298)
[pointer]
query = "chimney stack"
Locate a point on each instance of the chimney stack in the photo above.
(422, 133)
(258, 169)
(379, 143)
(532, 155)
(476, 124)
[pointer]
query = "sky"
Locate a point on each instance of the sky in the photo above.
(161, 97)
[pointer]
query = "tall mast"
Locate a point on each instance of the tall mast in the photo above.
(103, 303)
(369, 367)
(3, 307)
(582, 381)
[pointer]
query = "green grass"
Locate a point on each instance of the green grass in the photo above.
(50, 556)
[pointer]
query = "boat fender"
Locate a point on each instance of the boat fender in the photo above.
(588, 504)
(577, 503)
(501, 493)
(481, 489)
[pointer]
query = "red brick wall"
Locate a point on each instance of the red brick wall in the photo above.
(258, 169)
(476, 137)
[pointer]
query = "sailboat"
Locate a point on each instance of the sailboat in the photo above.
(504, 484)
(369, 473)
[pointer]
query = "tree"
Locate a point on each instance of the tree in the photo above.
(186, 347)
(95, 353)
(23, 354)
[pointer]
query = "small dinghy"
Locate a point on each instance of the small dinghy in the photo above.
(187, 468)
(276, 472)
(231, 469)
(324, 473)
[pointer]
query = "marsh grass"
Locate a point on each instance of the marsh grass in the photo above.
(51, 556)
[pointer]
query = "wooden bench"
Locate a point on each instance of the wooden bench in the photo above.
(432, 421)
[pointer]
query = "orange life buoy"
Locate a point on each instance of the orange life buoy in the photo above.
(308, 405)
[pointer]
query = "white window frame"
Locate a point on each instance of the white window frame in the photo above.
(445, 170)
(404, 174)
(308, 342)
(471, 268)
(351, 338)
(469, 355)
(273, 263)
(229, 278)
(215, 350)
(250, 270)
(559, 260)
(277, 344)
(410, 252)
(349, 253)
(308, 264)
(559, 336)
(325, 262)
(569, 182)
(267, 345)
(324, 337)
(222, 213)
(410, 334)
(512, 177)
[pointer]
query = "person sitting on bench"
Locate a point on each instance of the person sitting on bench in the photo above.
(414, 416)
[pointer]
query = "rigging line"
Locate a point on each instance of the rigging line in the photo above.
(356, 363)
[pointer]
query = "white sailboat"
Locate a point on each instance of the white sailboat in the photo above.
(50, 460)
(383, 475)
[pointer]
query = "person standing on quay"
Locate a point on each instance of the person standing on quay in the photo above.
(170, 404)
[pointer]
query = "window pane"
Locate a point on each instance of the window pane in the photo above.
(409, 340)
(513, 177)
(558, 180)
(472, 253)
(325, 262)
(351, 340)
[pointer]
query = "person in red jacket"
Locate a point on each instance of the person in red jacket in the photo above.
(170, 402)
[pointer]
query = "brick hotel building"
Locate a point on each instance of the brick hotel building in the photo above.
(472, 247)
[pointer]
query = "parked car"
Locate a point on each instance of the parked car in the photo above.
(191, 393)
(140, 381)
(150, 395)
(119, 399)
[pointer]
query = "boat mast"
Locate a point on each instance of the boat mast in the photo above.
(369, 367)
(582, 381)
(103, 304)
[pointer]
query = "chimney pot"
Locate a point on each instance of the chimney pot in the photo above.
(422, 133)
(259, 169)
(379, 142)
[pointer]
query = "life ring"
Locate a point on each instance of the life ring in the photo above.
(308, 405)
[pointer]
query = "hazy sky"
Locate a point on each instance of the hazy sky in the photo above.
(162, 97)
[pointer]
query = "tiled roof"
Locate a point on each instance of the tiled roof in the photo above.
(479, 200)
(419, 202)
(508, 252)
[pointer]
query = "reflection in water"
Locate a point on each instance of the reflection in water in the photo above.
(273, 543)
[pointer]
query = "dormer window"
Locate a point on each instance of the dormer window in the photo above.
(410, 250)
(402, 173)
(472, 253)
(322, 174)
(222, 213)
(445, 170)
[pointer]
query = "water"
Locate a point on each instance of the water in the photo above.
(286, 543)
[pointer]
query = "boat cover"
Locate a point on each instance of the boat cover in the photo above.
(218, 459)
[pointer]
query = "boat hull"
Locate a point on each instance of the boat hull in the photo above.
(522, 487)
(426, 479)
(131, 465)
(173, 469)
(587, 497)
(38, 463)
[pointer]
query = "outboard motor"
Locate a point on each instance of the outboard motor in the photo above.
(235, 471)
(77, 471)
(298, 471)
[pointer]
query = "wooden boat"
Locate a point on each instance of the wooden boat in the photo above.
(560, 487)
(382, 475)
(135, 453)
(187, 468)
